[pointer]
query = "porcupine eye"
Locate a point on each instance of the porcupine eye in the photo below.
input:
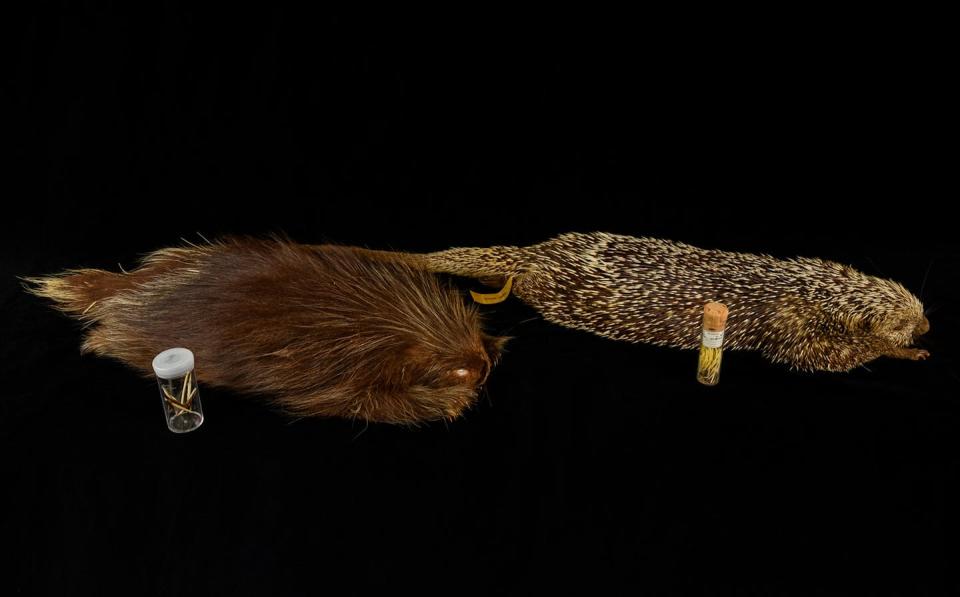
(903, 325)
(914, 328)
(902, 328)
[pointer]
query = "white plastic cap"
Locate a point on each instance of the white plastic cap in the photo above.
(173, 363)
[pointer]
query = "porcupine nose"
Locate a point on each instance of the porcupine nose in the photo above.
(922, 328)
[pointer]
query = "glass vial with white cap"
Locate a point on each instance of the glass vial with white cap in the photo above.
(178, 389)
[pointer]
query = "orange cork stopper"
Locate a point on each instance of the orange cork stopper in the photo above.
(715, 317)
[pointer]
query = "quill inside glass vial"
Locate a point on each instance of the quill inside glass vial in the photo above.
(711, 346)
(178, 389)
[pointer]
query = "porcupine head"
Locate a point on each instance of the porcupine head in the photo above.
(318, 330)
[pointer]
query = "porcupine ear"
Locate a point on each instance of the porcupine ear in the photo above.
(494, 345)
(871, 327)
(869, 323)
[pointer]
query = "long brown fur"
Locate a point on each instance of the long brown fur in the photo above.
(322, 331)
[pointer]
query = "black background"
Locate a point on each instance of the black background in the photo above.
(589, 463)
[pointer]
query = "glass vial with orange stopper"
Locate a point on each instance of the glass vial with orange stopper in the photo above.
(711, 346)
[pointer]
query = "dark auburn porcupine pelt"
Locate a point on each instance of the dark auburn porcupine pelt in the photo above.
(808, 313)
(322, 331)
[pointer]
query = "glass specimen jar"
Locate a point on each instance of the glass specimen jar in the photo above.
(178, 389)
(711, 345)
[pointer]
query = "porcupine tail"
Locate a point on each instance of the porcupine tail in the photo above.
(491, 265)
(76, 292)
(80, 293)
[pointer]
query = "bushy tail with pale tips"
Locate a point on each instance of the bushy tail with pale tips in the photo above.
(76, 292)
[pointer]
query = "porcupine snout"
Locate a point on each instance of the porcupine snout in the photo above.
(922, 328)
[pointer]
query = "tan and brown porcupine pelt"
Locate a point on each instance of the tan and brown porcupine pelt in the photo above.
(809, 313)
(324, 331)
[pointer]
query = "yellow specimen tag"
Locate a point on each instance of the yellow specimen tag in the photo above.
(496, 297)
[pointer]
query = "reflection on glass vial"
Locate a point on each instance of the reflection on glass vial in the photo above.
(178, 389)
